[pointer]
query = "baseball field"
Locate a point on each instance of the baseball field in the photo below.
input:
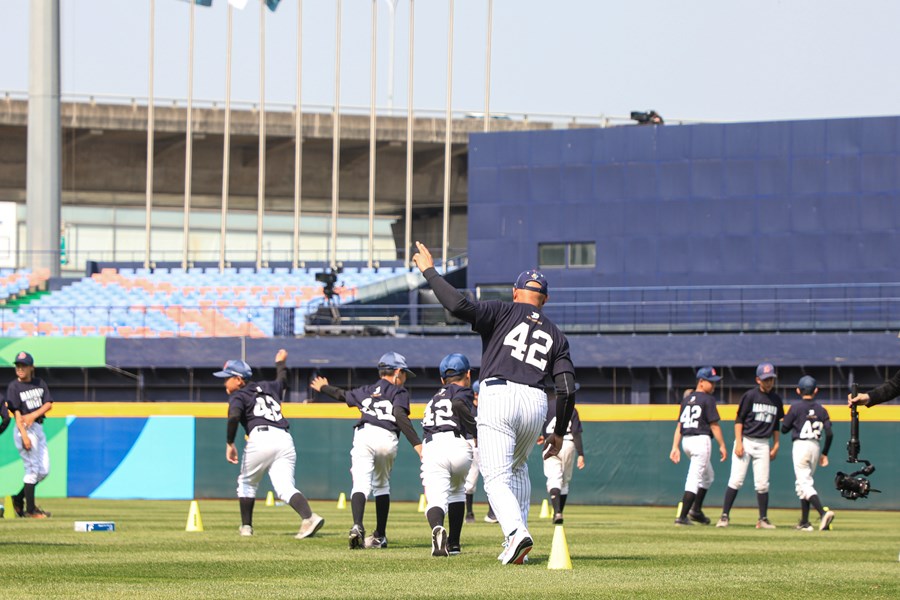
(616, 552)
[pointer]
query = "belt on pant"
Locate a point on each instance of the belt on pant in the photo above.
(430, 436)
(498, 381)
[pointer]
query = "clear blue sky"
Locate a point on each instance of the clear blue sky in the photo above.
(717, 60)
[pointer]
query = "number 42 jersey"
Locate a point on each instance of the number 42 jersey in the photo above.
(376, 403)
(519, 343)
(698, 412)
(259, 404)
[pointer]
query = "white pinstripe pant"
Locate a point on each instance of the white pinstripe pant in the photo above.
(510, 418)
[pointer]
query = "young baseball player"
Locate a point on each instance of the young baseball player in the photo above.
(558, 469)
(758, 416)
(806, 420)
(698, 422)
(472, 476)
(270, 448)
(384, 413)
(520, 348)
(29, 401)
(446, 453)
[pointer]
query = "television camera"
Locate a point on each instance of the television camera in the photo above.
(855, 485)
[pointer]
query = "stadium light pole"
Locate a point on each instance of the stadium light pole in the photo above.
(407, 235)
(372, 134)
(392, 7)
(336, 136)
(150, 121)
(448, 126)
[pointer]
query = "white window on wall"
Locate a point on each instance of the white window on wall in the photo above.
(576, 255)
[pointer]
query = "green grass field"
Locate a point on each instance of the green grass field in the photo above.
(617, 552)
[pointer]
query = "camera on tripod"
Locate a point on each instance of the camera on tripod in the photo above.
(855, 485)
(328, 278)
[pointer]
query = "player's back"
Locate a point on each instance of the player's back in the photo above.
(520, 343)
(376, 403)
(260, 405)
(440, 415)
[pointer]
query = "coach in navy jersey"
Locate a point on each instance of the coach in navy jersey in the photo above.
(698, 422)
(520, 348)
(758, 417)
(29, 401)
(256, 405)
(384, 413)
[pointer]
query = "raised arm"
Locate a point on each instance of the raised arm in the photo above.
(458, 305)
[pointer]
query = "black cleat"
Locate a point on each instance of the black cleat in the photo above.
(357, 537)
(699, 517)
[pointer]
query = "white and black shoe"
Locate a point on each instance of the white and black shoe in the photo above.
(827, 518)
(439, 542)
(310, 526)
(357, 537)
(518, 545)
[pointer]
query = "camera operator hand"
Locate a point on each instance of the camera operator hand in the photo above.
(862, 399)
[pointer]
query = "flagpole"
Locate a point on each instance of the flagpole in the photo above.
(298, 138)
(150, 122)
(447, 131)
(372, 136)
(189, 147)
(336, 137)
(226, 159)
(407, 238)
(261, 193)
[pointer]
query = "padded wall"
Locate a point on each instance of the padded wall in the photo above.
(744, 203)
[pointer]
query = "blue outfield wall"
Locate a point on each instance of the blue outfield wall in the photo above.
(626, 453)
(745, 203)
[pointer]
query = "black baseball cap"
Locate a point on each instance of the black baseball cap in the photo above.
(23, 358)
(531, 277)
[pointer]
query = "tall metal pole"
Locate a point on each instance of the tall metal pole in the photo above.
(298, 139)
(448, 125)
(336, 137)
(189, 145)
(372, 135)
(150, 140)
(226, 153)
(261, 192)
(392, 7)
(487, 68)
(43, 180)
(407, 236)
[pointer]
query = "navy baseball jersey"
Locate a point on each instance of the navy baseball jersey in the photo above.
(4, 414)
(376, 403)
(27, 397)
(806, 421)
(259, 404)
(450, 410)
(574, 427)
(760, 413)
(698, 412)
(519, 343)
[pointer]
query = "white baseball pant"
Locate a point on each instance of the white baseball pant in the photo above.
(269, 449)
(510, 419)
(472, 476)
(36, 460)
(371, 460)
(446, 459)
(558, 469)
(757, 450)
(806, 459)
(700, 473)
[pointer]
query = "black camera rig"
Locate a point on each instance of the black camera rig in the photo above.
(855, 485)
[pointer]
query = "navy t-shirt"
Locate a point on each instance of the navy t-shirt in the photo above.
(519, 343)
(698, 412)
(27, 397)
(760, 413)
(440, 414)
(574, 427)
(376, 403)
(259, 404)
(806, 421)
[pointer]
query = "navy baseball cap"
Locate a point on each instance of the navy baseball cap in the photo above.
(394, 360)
(23, 358)
(235, 368)
(709, 374)
(531, 277)
(807, 384)
(454, 364)
(476, 385)
(765, 371)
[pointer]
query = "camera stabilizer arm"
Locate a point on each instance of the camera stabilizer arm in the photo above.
(855, 485)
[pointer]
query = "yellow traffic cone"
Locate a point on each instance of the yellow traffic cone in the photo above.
(678, 509)
(421, 502)
(270, 499)
(545, 510)
(342, 501)
(559, 551)
(194, 522)
(8, 511)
